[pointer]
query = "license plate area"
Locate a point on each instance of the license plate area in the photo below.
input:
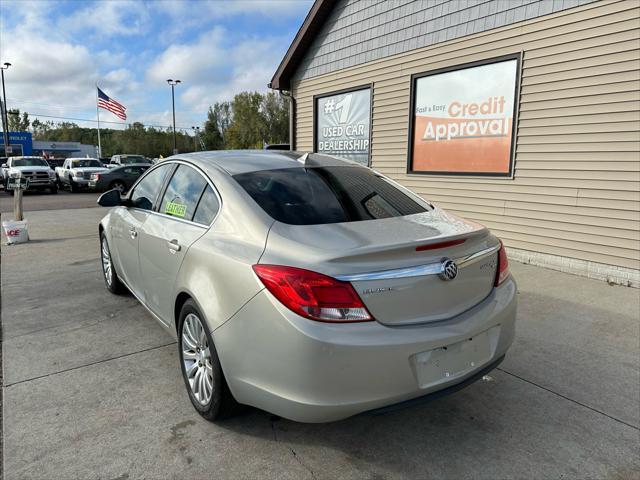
(456, 360)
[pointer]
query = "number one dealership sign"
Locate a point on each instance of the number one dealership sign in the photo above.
(343, 124)
(463, 120)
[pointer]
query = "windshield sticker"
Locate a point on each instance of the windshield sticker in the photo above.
(175, 209)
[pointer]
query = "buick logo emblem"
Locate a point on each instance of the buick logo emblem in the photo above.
(449, 269)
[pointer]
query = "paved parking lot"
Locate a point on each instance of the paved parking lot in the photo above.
(92, 388)
(35, 201)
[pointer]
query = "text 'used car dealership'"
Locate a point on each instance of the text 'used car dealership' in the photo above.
(522, 115)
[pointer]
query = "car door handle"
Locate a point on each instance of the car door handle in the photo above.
(133, 232)
(174, 246)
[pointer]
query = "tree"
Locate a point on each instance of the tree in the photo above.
(247, 128)
(248, 121)
(17, 123)
(275, 110)
(216, 126)
(41, 129)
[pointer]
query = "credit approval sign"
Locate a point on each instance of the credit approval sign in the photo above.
(343, 124)
(463, 120)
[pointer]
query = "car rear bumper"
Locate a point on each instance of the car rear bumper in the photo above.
(317, 372)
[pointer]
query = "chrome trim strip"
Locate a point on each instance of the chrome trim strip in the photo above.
(474, 257)
(419, 270)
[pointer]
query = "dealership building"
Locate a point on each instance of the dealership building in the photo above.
(22, 143)
(523, 115)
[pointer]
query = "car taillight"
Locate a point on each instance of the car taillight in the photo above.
(95, 176)
(313, 295)
(503, 265)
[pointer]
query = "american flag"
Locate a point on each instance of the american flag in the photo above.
(104, 101)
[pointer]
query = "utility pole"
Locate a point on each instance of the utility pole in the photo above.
(3, 111)
(202, 145)
(195, 139)
(198, 139)
(173, 83)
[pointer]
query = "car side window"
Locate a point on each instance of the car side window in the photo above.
(183, 192)
(145, 193)
(207, 207)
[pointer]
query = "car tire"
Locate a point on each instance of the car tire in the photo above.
(111, 280)
(118, 185)
(73, 187)
(215, 402)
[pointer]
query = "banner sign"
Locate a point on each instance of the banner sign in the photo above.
(463, 120)
(343, 124)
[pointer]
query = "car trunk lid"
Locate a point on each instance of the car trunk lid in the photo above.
(396, 265)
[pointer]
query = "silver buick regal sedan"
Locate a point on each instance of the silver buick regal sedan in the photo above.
(308, 286)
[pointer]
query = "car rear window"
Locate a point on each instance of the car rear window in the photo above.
(320, 195)
(85, 163)
(128, 159)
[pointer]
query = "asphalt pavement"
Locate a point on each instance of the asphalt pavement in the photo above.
(36, 201)
(92, 388)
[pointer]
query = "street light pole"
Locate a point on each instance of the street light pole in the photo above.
(195, 139)
(3, 111)
(173, 83)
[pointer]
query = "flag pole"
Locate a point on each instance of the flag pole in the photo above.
(98, 115)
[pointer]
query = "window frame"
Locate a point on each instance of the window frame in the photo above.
(514, 126)
(156, 204)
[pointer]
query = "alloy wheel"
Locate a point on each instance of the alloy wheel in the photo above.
(196, 357)
(106, 263)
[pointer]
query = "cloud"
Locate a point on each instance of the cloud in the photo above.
(59, 50)
(215, 67)
(190, 61)
(217, 9)
(45, 69)
(57, 78)
(109, 18)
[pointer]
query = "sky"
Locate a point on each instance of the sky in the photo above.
(59, 50)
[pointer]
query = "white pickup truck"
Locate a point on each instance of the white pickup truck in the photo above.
(35, 169)
(127, 159)
(76, 172)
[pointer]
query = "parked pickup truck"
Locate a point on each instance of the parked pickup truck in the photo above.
(127, 159)
(76, 172)
(35, 169)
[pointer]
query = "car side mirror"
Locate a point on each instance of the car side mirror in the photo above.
(4, 165)
(111, 198)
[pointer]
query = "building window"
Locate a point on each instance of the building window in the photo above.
(462, 120)
(342, 124)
